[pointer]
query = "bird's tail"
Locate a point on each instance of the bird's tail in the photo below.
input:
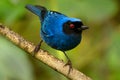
(38, 10)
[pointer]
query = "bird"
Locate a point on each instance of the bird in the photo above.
(59, 31)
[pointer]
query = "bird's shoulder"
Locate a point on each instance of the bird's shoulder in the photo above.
(55, 14)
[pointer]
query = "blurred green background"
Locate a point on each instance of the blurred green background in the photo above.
(97, 56)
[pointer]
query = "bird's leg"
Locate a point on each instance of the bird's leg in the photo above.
(37, 47)
(68, 63)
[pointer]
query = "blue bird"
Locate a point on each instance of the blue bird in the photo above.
(58, 30)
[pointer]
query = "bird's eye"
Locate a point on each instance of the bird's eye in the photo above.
(72, 26)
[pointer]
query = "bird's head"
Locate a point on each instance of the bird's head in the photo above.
(74, 26)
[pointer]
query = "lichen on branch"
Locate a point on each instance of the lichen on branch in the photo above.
(42, 55)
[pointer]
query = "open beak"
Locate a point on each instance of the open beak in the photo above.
(83, 28)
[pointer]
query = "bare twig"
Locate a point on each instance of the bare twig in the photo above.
(42, 55)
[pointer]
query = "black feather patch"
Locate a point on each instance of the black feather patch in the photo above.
(68, 29)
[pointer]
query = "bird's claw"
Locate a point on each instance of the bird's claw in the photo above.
(70, 66)
(37, 48)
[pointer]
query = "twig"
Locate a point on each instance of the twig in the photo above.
(42, 55)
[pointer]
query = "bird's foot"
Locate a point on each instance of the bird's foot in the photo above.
(70, 66)
(37, 48)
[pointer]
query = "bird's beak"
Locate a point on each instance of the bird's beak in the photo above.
(83, 28)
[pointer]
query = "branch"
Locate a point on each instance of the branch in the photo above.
(42, 55)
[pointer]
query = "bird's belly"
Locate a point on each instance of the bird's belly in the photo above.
(62, 43)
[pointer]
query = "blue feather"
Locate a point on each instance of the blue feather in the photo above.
(58, 30)
(52, 28)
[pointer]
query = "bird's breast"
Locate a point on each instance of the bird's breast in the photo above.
(62, 42)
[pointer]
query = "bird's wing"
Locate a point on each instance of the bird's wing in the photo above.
(46, 33)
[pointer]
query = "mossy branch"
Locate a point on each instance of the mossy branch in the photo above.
(42, 55)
